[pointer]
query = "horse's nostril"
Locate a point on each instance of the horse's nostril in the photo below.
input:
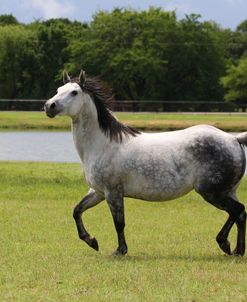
(53, 105)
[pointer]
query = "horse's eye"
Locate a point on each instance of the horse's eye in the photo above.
(74, 92)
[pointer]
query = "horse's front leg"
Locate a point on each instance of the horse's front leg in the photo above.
(116, 204)
(89, 201)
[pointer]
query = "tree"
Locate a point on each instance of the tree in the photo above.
(33, 56)
(54, 37)
(242, 41)
(128, 49)
(18, 62)
(145, 55)
(151, 55)
(236, 42)
(235, 82)
(8, 20)
(196, 61)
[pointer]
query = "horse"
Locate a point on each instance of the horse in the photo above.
(119, 161)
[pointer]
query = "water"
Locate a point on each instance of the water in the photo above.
(38, 146)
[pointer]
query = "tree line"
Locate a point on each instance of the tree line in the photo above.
(143, 55)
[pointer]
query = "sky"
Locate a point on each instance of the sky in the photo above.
(227, 13)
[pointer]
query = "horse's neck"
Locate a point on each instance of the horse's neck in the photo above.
(88, 137)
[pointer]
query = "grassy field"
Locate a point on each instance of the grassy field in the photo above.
(143, 121)
(172, 256)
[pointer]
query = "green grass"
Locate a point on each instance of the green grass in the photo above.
(172, 256)
(143, 121)
(166, 121)
(26, 120)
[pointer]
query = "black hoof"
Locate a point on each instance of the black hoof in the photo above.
(238, 252)
(117, 254)
(92, 242)
(120, 252)
(225, 246)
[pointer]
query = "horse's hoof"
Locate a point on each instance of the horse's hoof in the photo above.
(225, 246)
(119, 252)
(92, 242)
(238, 252)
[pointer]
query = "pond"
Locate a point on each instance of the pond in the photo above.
(38, 146)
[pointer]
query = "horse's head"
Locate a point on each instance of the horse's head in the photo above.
(91, 99)
(69, 98)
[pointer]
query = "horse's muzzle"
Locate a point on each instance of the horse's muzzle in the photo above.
(50, 109)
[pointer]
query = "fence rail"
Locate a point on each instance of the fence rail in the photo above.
(136, 106)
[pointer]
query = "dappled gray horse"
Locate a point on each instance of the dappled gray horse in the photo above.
(119, 161)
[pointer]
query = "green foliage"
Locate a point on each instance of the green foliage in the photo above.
(145, 55)
(150, 55)
(18, 61)
(53, 38)
(196, 62)
(126, 48)
(236, 42)
(8, 20)
(242, 34)
(32, 57)
(235, 81)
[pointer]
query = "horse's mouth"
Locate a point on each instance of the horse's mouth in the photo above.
(50, 113)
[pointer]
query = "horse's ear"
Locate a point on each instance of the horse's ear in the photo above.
(82, 77)
(66, 77)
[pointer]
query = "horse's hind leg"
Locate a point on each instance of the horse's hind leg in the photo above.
(237, 215)
(221, 238)
(90, 200)
(241, 225)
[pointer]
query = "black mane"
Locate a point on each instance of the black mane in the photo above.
(104, 99)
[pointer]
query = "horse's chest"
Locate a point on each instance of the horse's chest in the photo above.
(100, 175)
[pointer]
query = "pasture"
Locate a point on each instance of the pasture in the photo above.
(172, 255)
(18, 120)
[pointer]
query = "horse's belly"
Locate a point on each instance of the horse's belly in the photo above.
(164, 189)
(158, 172)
